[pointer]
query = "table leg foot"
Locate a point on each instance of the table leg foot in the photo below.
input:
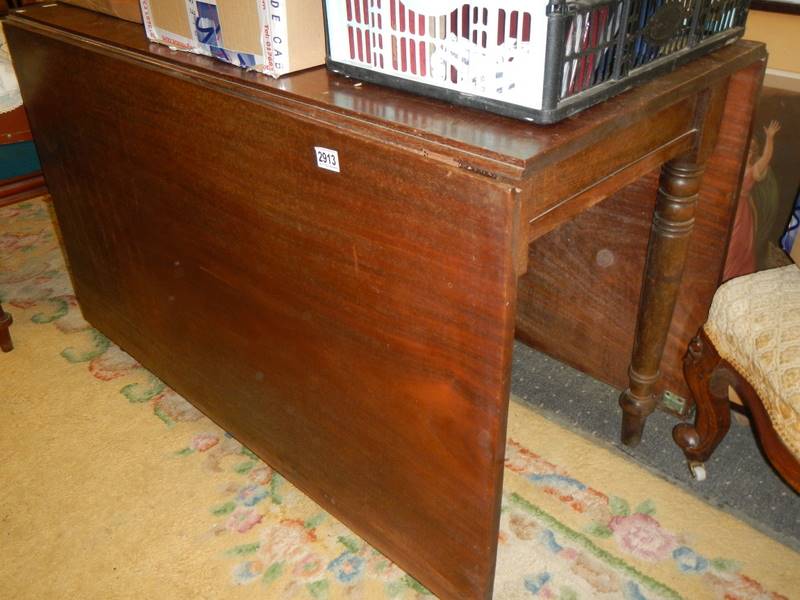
(673, 221)
(632, 428)
(637, 403)
(5, 336)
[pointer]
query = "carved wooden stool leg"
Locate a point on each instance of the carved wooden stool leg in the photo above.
(708, 379)
(5, 337)
(673, 220)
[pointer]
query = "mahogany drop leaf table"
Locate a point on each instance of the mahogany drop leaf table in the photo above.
(335, 272)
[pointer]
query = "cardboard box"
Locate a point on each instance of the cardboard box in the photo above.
(274, 37)
(124, 9)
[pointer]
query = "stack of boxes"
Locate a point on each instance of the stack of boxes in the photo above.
(273, 37)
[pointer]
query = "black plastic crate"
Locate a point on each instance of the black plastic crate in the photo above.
(535, 60)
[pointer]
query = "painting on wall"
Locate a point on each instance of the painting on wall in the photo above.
(763, 230)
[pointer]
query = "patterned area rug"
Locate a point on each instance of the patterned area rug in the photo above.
(116, 487)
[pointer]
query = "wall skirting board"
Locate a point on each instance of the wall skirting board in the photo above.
(785, 80)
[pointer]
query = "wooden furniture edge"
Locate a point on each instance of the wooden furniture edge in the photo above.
(348, 120)
(224, 77)
(22, 188)
(6, 343)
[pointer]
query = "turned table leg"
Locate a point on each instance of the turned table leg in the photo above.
(673, 220)
(5, 336)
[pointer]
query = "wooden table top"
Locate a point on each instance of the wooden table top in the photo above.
(498, 145)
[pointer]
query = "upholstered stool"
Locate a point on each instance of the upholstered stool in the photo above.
(750, 342)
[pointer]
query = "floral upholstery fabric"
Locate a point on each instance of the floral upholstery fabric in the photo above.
(754, 323)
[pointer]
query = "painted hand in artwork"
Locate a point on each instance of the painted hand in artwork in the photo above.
(762, 164)
(773, 128)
